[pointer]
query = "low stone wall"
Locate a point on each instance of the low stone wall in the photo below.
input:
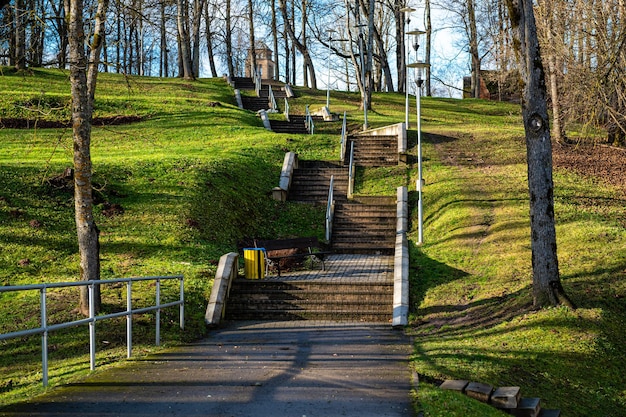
(227, 270)
(401, 262)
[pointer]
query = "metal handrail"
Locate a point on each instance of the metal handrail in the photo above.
(351, 171)
(310, 126)
(272, 100)
(344, 129)
(257, 83)
(286, 112)
(44, 329)
(330, 208)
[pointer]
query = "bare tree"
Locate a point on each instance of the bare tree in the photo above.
(184, 40)
(547, 288)
(302, 47)
(82, 109)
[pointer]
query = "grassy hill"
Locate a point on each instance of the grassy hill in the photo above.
(190, 178)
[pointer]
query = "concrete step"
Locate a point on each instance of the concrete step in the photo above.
(527, 407)
(283, 299)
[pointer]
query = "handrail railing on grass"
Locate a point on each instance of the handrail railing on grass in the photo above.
(344, 129)
(257, 83)
(44, 329)
(286, 112)
(310, 126)
(351, 171)
(330, 208)
(272, 100)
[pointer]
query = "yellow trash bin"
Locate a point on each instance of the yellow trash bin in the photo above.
(254, 263)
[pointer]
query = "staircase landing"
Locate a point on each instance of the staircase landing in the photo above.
(353, 288)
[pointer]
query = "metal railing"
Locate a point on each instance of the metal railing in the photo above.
(45, 328)
(257, 83)
(308, 121)
(351, 171)
(344, 130)
(286, 112)
(272, 100)
(330, 208)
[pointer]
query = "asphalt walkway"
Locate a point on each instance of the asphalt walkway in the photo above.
(260, 369)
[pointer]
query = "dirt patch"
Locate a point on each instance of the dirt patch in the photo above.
(17, 123)
(607, 163)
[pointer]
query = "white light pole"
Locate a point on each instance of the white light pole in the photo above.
(407, 11)
(419, 66)
(330, 38)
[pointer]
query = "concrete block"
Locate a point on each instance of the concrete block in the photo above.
(527, 407)
(479, 391)
(454, 385)
(279, 194)
(506, 397)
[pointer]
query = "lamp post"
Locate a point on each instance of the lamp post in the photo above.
(330, 38)
(407, 11)
(420, 67)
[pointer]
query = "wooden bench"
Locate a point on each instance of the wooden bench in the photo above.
(277, 250)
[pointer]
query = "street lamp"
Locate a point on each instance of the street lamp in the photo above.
(407, 11)
(420, 67)
(330, 38)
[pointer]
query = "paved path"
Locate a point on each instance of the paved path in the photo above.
(252, 369)
(260, 369)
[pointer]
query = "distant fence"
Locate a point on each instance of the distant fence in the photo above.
(44, 328)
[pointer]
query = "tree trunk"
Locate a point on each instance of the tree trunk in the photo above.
(547, 289)
(20, 36)
(253, 62)
(163, 54)
(198, 8)
(400, 44)
(305, 75)
(95, 49)
(209, 42)
(473, 47)
(87, 231)
(229, 40)
(185, 44)
(301, 47)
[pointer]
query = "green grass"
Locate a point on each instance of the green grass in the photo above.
(471, 281)
(194, 181)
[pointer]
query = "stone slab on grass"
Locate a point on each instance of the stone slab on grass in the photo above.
(454, 385)
(506, 397)
(527, 407)
(479, 391)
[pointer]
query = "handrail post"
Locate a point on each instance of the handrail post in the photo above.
(330, 208)
(158, 312)
(286, 112)
(272, 99)
(92, 328)
(44, 336)
(351, 171)
(129, 319)
(182, 304)
(343, 138)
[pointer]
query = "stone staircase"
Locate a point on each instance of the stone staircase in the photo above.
(295, 125)
(273, 299)
(507, 399)
(373, 151)
(311, 180)
(362, 227)
(365, 225)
